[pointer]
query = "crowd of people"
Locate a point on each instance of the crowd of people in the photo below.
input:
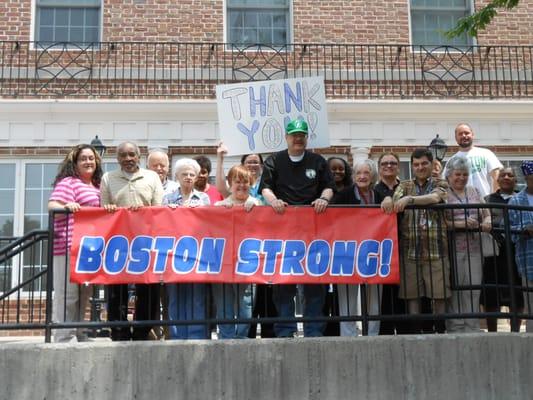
(446, 255)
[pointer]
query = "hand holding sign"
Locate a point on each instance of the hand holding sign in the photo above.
(253, 115)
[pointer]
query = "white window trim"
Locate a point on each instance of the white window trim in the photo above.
(18, 212)
(410, 26)
(33, 25)
(290, 32)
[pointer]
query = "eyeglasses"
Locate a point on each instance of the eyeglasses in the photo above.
(388, 163)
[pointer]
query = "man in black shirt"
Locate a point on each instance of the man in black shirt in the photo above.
(297, 177)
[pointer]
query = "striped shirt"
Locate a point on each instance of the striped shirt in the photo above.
(70, 190)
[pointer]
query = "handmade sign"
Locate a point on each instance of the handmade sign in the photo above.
(252, 116)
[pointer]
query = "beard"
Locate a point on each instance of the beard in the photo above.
(465, 144)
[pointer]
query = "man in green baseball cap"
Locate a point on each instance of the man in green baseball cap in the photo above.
(297, 126)
(297, 176)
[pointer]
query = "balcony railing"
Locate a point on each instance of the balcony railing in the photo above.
(476, 272)
(143, 70)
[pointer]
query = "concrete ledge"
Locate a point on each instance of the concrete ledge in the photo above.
(475, 366)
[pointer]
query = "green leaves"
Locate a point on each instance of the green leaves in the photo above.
(479, 20)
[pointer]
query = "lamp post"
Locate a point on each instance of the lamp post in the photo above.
(98, 145)
(438, 148)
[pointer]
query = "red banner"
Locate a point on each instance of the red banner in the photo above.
(215, 244)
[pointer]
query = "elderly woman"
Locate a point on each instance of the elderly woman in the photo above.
(187, 301)
(365, 174)
(496, 270)
(235, 300)
(522, 222)
(468, 255)
(76, 185)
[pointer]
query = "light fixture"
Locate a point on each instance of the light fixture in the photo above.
(438, 148)
(98, 145)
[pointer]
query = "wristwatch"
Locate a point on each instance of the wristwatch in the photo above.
(411, 200)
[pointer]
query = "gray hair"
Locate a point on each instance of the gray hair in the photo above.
(155, 151)
(373, 169)
(123, 144)
(456, 164)
(183, 163)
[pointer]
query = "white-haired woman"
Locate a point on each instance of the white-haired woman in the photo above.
(468, 257)
(187, 301)
(365, 174)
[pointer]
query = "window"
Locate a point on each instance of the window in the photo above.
(7, 217)
(38, 186)
(258, 22)
(73, 21)
(7, 198)
(430, 19)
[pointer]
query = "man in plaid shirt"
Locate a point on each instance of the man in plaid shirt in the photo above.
(425, 268)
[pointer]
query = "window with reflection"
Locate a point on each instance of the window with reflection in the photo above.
(7, 218)
(258, 22)
(72, 21)
(37, 188)
(430, 19)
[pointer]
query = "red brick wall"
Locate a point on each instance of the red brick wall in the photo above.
(159, 20)
(15, 19)
(333, 21)
(358, 21)
(513, 27)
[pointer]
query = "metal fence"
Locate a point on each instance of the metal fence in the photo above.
(192, 70)
(446, 271)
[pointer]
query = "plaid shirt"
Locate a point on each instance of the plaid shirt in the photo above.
(523, 244)
(423, 232)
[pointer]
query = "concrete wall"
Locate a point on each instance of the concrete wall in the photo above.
(484, 366)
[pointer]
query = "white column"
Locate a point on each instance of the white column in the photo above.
(360, 153)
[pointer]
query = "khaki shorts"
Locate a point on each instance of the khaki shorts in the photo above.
(425, 279)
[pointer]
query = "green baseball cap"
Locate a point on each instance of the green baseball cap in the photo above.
(296, 126)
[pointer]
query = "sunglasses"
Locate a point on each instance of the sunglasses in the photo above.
(388, 163)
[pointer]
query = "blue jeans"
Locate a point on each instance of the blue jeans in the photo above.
(233, 301)
(186, 301)
(314, 297)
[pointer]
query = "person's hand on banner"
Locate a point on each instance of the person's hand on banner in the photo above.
(320, 205)
(279, 205)
(387, 205)
(110, 208)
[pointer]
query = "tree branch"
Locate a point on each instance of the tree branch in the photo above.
(479, 20)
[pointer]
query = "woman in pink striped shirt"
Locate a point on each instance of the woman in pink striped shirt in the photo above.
(77, 185)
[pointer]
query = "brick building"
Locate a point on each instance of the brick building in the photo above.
(145, 70)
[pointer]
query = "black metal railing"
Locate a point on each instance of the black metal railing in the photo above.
(469, 270)
(23, 293)
(192, 70)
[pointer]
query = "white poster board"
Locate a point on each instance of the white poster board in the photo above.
(252, 116)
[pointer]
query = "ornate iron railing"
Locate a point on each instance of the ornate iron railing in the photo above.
(191, 70)
(477, 271)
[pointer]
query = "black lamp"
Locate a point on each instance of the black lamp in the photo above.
(438, 148)
(98, 145)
